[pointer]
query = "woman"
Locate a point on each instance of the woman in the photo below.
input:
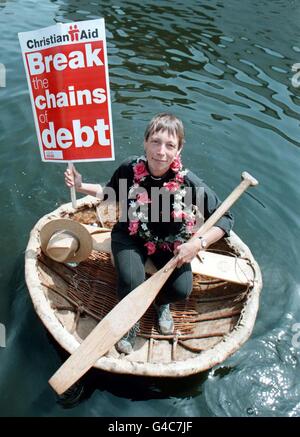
(163, 204)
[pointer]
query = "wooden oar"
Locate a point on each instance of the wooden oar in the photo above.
(130, 309)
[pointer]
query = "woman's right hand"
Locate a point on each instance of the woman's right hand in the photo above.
(73, 178)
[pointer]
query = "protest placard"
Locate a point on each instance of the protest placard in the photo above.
(67, 72)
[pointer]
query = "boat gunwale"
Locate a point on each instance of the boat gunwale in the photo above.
(205, 360)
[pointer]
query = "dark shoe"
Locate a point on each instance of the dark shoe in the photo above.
(125, 345)
(165, 319)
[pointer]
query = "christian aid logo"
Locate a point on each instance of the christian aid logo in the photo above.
(76, 35)
(74, 32)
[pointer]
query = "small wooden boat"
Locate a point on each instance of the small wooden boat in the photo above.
(210, 326)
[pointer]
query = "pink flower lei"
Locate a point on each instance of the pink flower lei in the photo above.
(138, 226)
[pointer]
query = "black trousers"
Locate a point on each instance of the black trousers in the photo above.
(130, 256)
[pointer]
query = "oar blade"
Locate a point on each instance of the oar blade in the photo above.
(227, 268)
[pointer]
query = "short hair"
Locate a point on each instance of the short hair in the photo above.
(166, 122)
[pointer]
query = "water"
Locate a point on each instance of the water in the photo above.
(225, 68)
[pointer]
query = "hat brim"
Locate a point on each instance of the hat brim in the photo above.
(75, 229)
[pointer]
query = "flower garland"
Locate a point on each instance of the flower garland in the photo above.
(138, 224)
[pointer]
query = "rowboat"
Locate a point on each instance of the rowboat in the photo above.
(211, 325)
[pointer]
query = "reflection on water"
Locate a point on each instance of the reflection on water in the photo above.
(266, 371)
(225, 69)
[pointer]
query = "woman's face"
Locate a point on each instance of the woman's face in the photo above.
(161, 148)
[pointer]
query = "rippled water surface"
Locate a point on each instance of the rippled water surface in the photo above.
(225, 68)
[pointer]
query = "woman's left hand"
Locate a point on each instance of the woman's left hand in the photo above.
(187, 251)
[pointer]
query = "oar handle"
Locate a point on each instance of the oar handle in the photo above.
(247, 181)
(250, 179)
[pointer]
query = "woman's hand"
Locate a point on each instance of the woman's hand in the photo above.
(73, 178)
(186, 252)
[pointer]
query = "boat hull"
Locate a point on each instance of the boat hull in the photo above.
(213, 324)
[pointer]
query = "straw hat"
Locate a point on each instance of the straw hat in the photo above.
(65, 240)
